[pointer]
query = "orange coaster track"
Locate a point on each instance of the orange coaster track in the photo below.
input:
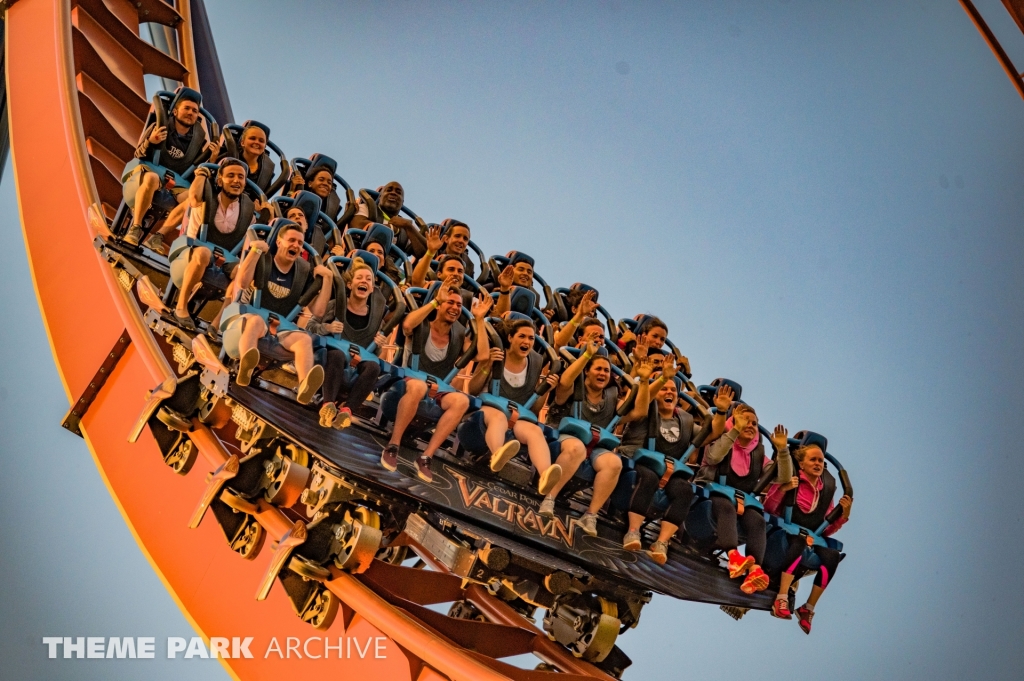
(77, 102)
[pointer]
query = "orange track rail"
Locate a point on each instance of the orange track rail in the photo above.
(74, 78)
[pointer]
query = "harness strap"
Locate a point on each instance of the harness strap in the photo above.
(739, 503)
(431, 387)
(513, 415)
(595, 437)
(670, 468)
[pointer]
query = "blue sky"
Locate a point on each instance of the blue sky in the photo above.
(822, 201)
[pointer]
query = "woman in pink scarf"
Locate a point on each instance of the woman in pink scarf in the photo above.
(811, 503)
(739, 457)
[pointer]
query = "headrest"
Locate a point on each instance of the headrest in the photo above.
(513, 316)
(256, 124)
(708, 391)
(367, 257)
(318, 162)
(516, 256)
(579, 286)
(382, 234)
(185, 93)
(809, 437)
(522, 300)
(309, 204)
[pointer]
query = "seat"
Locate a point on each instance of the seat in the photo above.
(384, 235)
(320, 227)
(497, 263)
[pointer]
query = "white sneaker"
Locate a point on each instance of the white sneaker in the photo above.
(588, 523)
(547, 508)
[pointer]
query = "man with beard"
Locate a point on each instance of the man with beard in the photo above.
(440, 343)
(176, 148)
(283, 279)
(227, 222)
(390, 200)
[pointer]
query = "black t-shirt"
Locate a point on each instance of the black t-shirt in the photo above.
(357, 321)
(177, 147)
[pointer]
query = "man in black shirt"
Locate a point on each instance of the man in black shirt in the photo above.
(176, 148)
(390, 200)
(283, 279)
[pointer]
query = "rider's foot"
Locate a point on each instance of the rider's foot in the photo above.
(739, 564)
(423, 471)
(309, 385)
(184, 321)
(157, 244)
(246, 365)
(659, 552)
(631, 542)
(780, 609)
(389, 458)
(806, 614)
(344, 418)
(588, 523)
(756, 581)
(504, 455)
(328, 412)
(549, 478)
(133, 236)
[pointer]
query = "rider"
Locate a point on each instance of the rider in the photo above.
(814, 487)
(227, 225)
(179, 145)
(600, 402)
(252, 146)
(739, 456)
(441, 342)
(390, 200)
(359, 322)
(673, 434)
(450, 265)
(582, 304)
(284, 278)
(319, 179)
(518, 272)
(520, 376)
(456, 242)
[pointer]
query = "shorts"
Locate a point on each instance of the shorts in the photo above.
(590, 460)
(269, 346)
(217, 276)
(130, 186)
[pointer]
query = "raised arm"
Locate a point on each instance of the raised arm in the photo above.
(481, 306)
(643, 394)
(247, 269)
(585, 309)
(319, 304)
(434, 243)
(568, 380)
(783, 460)
(504, 291)
(448, 288)
(722, 445)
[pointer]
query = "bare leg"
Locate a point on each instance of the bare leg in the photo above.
(816, 592)
(148, 185)
(300, 345)
(455, 406)
(532, 436)
(198, 261)
(173, 220)
(666, 531)
(636, 520)
(572, 455)
(407, 406)
(608, 467)
(495, 426)
(784, 583)
(254, 329)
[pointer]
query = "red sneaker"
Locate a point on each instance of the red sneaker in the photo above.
(756, 581)
(739, 564)
(423, 468)
(780, 609)
(805, 616)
